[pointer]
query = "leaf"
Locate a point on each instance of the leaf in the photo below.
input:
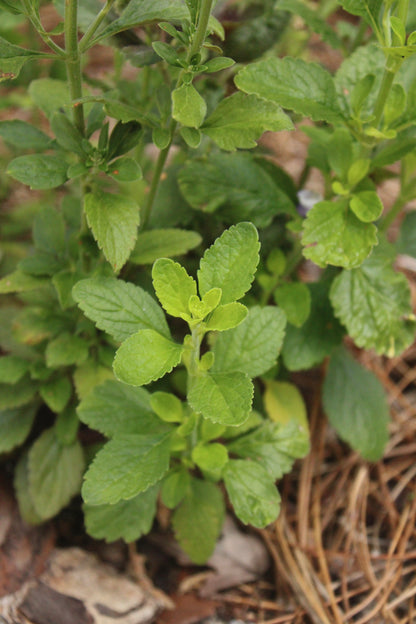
(50, 95)
(222, 265)
(39, 171)
(12, 369)
(173, 286)
(145, 357)
(308, 345)
(175, 486)
(295, 301)
(20, 282)
(113, 220)
(55, 473)
(49, 231)
(198, 521)
(406, 243)
(367, 206)
(306, 88)
(66, 350)
(22, 490)
(369, 9)
(274, 446)
(123, 138)
(15, 426)
(373, 302)
(126, 520)
(284, 404)
(252, 347)
(119, 308)
(252, 492)
(125, 170)
(89, 375)
(227, 317)
(67, 135)
(167, 406)
(188, 106)
(222, 398)
(312, 20)
(17, 394)
(210, 458)
(163, 243)
(23, 135)
(66, 426)
(56, 393)
(332, 234)
(12, 59)
(236, 186)
(113, 408)
(125, 466)
(240, 120)
(355, 403)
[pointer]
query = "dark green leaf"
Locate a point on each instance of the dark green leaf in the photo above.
(56, 393)
(12, 368)
(295, 301)
(123, 138)
(50, 95)
(67, 135)
(15, 395)
(163, 243)
(15, 426)
(23, 135)
(175, 486)
(39, 171)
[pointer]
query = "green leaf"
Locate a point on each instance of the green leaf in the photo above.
(198, 521)
(252, 492)
(145, 357)
(222, 398)
(364, 61)
(89, 375)
(188, 107)
(373, 302)
(173, 286)
(406, 243)
(12, 59)
(227, 317)
(210, 458)
(22, 490)
(167, 406)
(55, 473)
(23, 135)
(306, 88)
(66, 350)
(125, 466)
(295, 301)
(66, 426)
(191, 136)
(367, 206)
(252, 347)
(39, 171)
(163, 243)
(332, 234)
(230, 263)
(50, 95)
(125, 170)
(41, 263)
(355, 403)
(284, 404)
(49, 231)
(12, 369)
(67, 135)
(20, 282)
(17, 394)
(368, 9)
(236, 186)
(308, 345)
(218, 64)
(274, 446)
(56, 393)
(240, 120)
(64, 281)
(118, 307)
(175, 486)
(15, 426)
(312, 20)
(126, 520)
(114, 408)
(113, 220)
(124, 137)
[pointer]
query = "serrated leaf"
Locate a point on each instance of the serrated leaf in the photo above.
(113, 220)
(66, 350)
(175, 487)
(145, 357)
(23, 135)
(295, 301)
(252, 347)
(15, 426)
(367, 206)
(252, 492)
(17, 394)
(274, 446)
(198, 521)
(163, 243)
(125, 466)
(55, 473)
(332, 234)
(56, 393)
(12, 368)
(114, 408)
(39, 171)
(227, 317)
(223, 398)
(188, 106)
(356, 405)
(373, 303)
(306, 88)
(126, 520)
(364, 61)
(222, 265)
(240, 120)
(173, 286)
(118, 307)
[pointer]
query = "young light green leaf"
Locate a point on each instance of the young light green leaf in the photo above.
(295, 301)
(66, 350)
(191, 136)
(332, 234)
(127, 520)
(119, 308)
(240, 120)
(23, 135)
(125, 466)
(188, 107)
(113, 220)
(39, 171)
(15, 426)
(284, 404)
(252, 492)
(55, 473)
(252, 347)
(173, 286)
(56, 393)
(222, 398)
(167, 406)
(356, 405)
(222, 265)
(367, 206)
(12, 369)
(175, 487)
(198, 521)
(210, 458)
(227, 317)
(163, 243)
(306, 88)
(145, 357)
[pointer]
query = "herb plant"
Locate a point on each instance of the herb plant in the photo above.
(81, 329)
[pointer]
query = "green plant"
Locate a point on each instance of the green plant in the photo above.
(122, 210)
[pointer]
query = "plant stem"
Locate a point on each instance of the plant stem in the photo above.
(192, 367)
(385, 87)
(93, 27)
(403, 10)
(37, 24)
(73, 61)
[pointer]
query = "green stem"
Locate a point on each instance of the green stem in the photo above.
(93, 27)
(385, 87)
(73, 61)
(193, 368)
(403, 10)
(37, 24)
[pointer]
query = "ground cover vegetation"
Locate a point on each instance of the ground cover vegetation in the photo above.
(94, 307)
